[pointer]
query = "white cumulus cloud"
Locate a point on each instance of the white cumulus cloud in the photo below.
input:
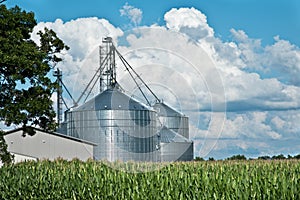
(134, 14)
(189, 21)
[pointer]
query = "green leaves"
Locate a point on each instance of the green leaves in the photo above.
(202, 180)
(16, 24)
(5, 156)
(25, 89)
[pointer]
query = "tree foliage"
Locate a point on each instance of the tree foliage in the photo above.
(278, 157)
(25, 89)
(237, 157)
(5, 156)
(199, 159)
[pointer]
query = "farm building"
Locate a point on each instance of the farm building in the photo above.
(46, 145)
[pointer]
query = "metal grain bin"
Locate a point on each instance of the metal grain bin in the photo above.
(123, 128)
(174, 147)
(172, 119)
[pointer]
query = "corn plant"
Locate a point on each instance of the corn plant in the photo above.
(75, 179)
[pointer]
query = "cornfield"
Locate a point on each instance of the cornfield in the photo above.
(62, 179)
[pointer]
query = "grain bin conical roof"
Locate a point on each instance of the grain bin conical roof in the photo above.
(113, 99)
(168, 136)
(166, 110)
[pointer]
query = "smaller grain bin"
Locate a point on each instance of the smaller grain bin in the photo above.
(172, 119)
(174, 147)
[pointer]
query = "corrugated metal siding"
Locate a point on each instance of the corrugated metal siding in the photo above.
(177, 151)
(172, 119)
(120, 134)
(125, 129)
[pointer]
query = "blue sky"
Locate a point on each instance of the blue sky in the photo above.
(262, 19)
(252, 62)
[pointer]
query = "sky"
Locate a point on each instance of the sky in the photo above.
(231, 65)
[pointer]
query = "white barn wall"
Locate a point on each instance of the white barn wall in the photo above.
(44, 145)
(21, 158)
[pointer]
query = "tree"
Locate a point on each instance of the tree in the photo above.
(211, 159)
(278, 157)
(264, 158)
(297, 156)
(198, 159)
(25, 89)
(5, 156)
(237, 157)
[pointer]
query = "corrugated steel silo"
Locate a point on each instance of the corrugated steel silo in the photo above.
(123, 128)
(172, 119)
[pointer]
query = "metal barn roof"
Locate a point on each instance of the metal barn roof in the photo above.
(37, 130)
